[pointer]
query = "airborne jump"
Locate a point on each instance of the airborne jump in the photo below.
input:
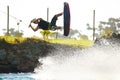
(45, 25)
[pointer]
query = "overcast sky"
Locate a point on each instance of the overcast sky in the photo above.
(81, 12)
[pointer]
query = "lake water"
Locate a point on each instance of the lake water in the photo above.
(18, 76)
(96, 63)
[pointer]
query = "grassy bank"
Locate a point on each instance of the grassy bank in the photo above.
(81, 43)
(19, 54)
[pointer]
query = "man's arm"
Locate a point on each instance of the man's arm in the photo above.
(29, 25)
(34, 29)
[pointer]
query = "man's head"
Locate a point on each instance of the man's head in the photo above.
(34, 21)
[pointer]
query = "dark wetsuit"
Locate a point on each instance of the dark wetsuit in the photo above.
(46, 25)
(53, 22)
(43, 25)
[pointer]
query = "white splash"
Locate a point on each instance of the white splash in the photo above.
(96, 63)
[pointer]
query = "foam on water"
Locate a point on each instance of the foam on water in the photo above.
(96, 63)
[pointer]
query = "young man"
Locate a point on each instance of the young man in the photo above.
(42, 24)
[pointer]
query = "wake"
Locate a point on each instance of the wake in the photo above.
(100, 62)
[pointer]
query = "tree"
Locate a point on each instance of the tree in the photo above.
(113, 24)
(88, 27)
(73, 32)
(12, 32)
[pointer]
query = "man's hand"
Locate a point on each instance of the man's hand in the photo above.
(29, 25)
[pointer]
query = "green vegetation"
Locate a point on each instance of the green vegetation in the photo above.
(12, 39)
(81, 43)
(107, 28)
(13, 32)
(106, 33)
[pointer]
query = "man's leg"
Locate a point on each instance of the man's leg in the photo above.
(60, 14)
(53, 22)
(58, 27)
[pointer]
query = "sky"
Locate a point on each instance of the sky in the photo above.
(81, 13)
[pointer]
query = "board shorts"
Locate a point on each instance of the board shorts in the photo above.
(53, 23)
